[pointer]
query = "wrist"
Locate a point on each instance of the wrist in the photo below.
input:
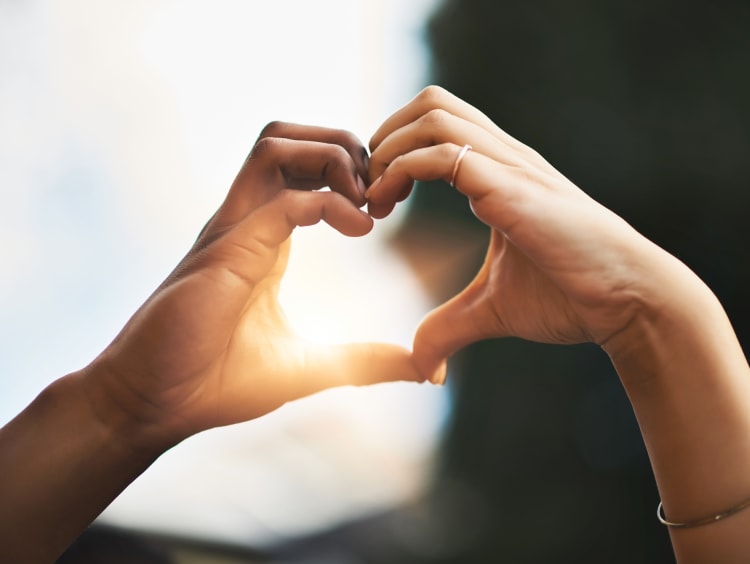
(127, 420)
(676, 315)
(64, 459)
(689, 383)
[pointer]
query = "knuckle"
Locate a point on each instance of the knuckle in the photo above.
(287, 202)
(285, 199)
(398, 163)
(265, 147)
(436, 118)
(339, 153)
(273, 129)
(432, 95)
(348, 139)
(338, 159)
(447, 152)
(353, 146)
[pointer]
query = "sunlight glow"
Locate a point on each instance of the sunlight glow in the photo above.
(123, 125)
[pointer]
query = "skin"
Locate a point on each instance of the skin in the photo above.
(210, 347)
(561, 268)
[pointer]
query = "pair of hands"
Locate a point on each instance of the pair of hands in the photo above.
(212, 347)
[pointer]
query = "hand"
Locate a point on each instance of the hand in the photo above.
(211, 346)
(560, 267)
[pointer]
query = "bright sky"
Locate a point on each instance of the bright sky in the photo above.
(121, 126)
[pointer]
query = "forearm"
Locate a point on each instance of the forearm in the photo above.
(60, 466)
(689, 383)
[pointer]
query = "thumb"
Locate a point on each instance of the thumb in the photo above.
(355, 364)
(448, 328)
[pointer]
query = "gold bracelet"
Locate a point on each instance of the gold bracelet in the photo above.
(699, 522)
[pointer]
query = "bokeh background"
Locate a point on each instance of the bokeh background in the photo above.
(644, 104)
(122, 124)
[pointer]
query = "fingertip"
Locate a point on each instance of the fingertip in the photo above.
(362, 189)
(365, 169)
(360, 224)
(433, 344)
(375, 140)
(431, 368)
(379, 211)
(408, 370)
(373, 189)
(406, 191)
(367, 223)
(439, 375)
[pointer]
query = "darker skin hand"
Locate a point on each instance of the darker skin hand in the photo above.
(212, 346)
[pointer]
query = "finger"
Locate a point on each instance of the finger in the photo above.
(279, 163)
(357, 364)
(379, 211)
(450, 327)
(429, 163)
(341, 137)
(437, 98)
(251, 248)
(308, 165)
(275, 221)
(434, 128)
(500, 195)
(430, 98)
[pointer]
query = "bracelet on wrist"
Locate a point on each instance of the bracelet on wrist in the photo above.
(698, 522)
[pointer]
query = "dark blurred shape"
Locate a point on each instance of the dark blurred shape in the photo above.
(99, 545)
(646, 106)
(104, 544)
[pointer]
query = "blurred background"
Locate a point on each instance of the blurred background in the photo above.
(121, 127)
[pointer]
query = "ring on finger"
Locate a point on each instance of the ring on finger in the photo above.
(461, 154)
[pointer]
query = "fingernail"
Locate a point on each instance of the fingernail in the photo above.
(361, 186)
(438, 377)
(372, 187)
(366, 158)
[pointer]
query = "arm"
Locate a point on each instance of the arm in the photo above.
(689, 383)
(561, 268)
(210, 347)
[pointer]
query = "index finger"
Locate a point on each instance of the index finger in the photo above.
(437, 98)
(341, 137)
(278, 163)
(432, 98)
(499, 193)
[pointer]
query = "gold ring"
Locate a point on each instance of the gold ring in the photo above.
(459, 158)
